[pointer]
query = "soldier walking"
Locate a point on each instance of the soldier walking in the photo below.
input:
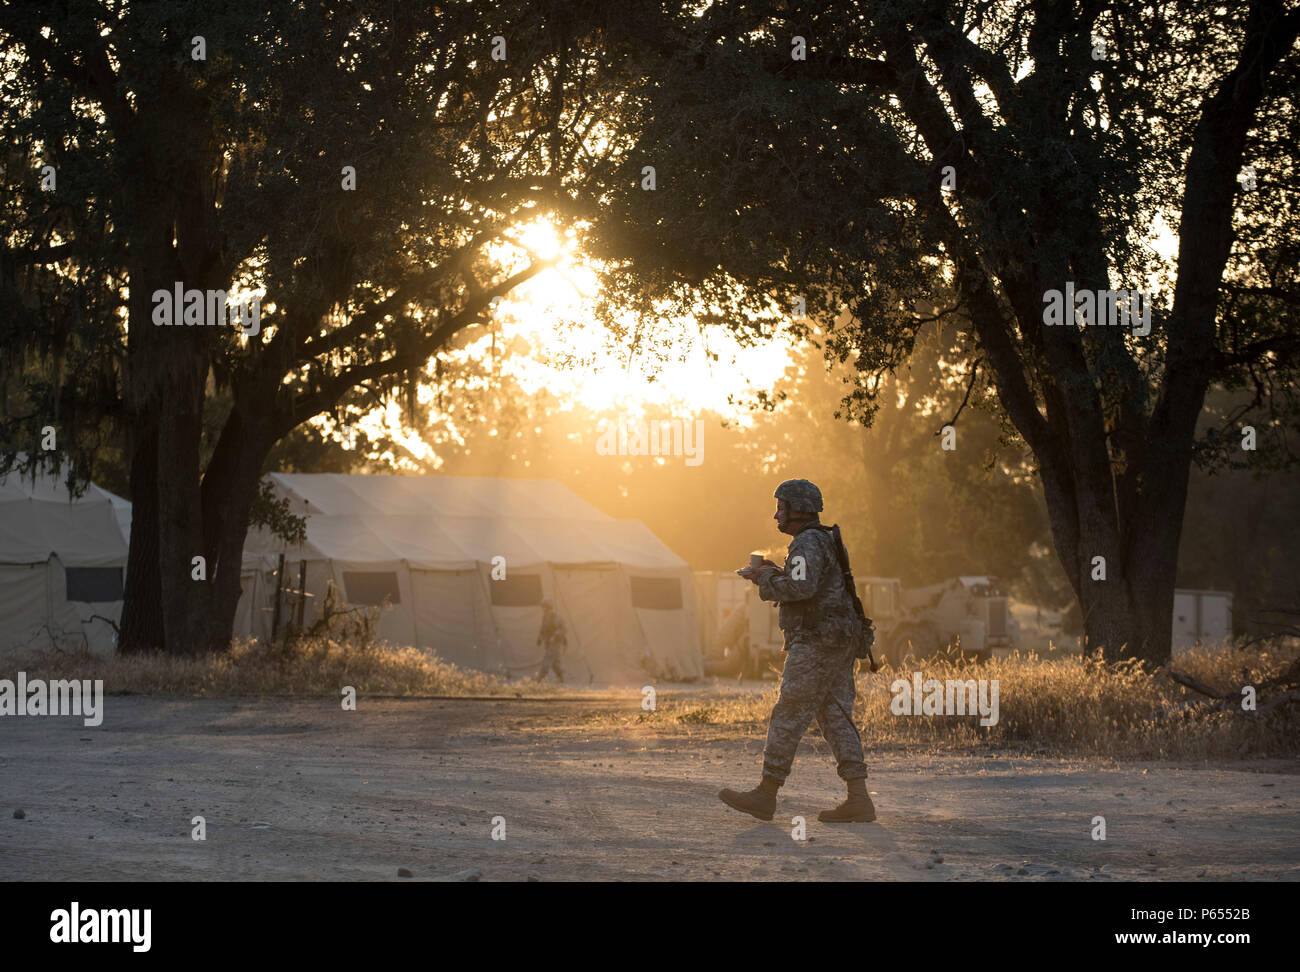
(552, 639)
(817, 616)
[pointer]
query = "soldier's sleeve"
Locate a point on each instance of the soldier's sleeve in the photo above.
(797, 580)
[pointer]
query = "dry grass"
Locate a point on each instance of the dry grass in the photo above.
(1060, 706)
(309, 667)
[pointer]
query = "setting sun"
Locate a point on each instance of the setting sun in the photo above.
(589, 367)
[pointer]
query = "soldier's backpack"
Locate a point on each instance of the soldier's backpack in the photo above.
(864, 636)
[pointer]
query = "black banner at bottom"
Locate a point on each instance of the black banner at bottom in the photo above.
(141, 922)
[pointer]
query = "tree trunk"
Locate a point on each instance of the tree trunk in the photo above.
(186, 599)
(1108, 622)
(142, 616)
(1104, 604)
(142, 623)
(179, 241)
(229, 487)
(1152, 584)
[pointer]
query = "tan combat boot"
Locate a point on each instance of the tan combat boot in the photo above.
(858, 808)
(759, 802)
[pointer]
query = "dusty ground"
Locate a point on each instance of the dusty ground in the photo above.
(298, 789)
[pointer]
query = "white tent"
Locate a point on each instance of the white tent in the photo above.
(465, 564)
(62, 565)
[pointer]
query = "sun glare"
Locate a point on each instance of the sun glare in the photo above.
(584, 366)
(542, 239)
(577, 359)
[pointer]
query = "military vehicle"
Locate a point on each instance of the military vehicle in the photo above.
(966, 614)
(969, 614)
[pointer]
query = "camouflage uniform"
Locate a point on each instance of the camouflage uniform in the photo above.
(817, 618)
(552, 639)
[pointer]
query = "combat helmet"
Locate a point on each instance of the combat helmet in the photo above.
(803, 496)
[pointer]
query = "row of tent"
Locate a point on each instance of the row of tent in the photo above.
(455, 565)
(62, 563)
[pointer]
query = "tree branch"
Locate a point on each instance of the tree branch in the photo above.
(331, 391)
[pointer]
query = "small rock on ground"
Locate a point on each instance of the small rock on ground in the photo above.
(469, 874)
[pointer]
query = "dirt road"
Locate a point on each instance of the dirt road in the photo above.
(298, 789)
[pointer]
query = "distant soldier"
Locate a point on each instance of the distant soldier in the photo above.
(817, 618)
(552, 639)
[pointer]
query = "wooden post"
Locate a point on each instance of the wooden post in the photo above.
(302, 591)
(279, 590)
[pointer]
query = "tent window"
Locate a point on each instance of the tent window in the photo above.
(520, 590)
(94, 584)
(371, 587)
(657, 593)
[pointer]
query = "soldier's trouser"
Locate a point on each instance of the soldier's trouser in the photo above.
(552, 660)
(817, 683)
